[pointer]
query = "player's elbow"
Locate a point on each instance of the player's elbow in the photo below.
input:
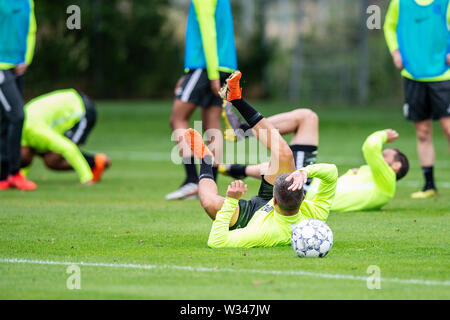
(285, 152)
(215, 243)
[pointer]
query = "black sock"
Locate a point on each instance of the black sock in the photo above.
(215, 171)
(206, 168)
(304, 155)
(191, 170)
(4, 171)
(237, 171)
(248, 112)
(90, 159)
(429, 178)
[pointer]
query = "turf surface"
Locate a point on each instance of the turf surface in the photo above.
(125, 220)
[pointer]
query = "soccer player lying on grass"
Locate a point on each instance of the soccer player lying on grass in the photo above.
(372, 185)
(366, 188)
(266, 219)
(55, 125)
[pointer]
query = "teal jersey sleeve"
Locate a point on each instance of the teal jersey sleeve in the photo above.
(318, 207)
(382, 173)
(205, 10)
(59, 144)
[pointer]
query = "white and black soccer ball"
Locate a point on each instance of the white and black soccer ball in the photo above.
(311, 238)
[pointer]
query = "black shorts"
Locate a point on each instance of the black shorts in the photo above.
(247, 208)
(426, 100)
(196, 88)
(79, 133)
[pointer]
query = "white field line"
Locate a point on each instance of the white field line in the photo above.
(225, 270)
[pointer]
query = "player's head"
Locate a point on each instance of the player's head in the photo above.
(397, 161)
(287, 201)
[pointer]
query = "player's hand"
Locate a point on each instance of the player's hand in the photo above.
(178, 85)
(89, 183)
(397, 57)
(21, 69)
(236, 189)
(448, 59)
(215, 86)
(299, 179)
(392, 135)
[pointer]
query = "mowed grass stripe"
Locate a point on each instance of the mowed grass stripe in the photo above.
(228, 270)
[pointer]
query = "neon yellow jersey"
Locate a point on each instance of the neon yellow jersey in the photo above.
(371, 187)
(267, 228)
(47, 118)
(390, 33)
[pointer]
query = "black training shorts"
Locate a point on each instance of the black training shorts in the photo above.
(79, 133)
(247, 208)
(426, 100)
(196, 88)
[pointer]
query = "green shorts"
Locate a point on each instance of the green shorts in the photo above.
(247, 208)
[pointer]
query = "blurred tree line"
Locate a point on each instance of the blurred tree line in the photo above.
(309, 51)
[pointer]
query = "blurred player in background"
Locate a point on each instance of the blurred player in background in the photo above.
(418, 38)
(210, 57)
(265, 220)
(56, 124)
(17, 41)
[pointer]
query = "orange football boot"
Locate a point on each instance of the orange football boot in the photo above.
(231, 90)
(4, 185)
(195, 142)
(18, 181)
(101, 163)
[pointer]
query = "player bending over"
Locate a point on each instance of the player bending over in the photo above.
(266, 219)
(55, 125)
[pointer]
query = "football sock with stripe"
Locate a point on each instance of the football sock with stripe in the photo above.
(250, 115)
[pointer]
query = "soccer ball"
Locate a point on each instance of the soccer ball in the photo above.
(311, 238)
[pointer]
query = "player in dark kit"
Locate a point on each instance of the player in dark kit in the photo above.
(418, 36)
(210, 57)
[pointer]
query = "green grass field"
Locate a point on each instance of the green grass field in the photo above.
(136, 245)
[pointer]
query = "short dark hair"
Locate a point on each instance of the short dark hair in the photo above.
(403, 159)
(287, 200)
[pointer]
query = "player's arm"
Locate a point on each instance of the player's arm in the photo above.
(205, 11)
(390, 32)
(69, 150)
(318, 207)
(220, 235)
(382, 173)
(31, 39)
(390, 25)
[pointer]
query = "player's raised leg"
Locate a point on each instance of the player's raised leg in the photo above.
(304, 123)
(208, 193)
(281, 159)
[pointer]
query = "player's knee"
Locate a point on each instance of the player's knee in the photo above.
(51, 161)
(209, 206)
(306, 115)
(424, 134)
